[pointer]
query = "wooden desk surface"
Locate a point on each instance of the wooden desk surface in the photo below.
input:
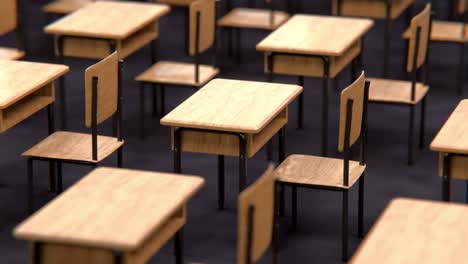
(316, 35)
(20, 78)
(233, 105)
(104, 19)
(111, 208)
(417, 231)
(453, 136)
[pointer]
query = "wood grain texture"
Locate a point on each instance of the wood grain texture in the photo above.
(416, 231)
(353, 92)
(113, 208)
(253, 18)
(18, 79)
(207, 11)
(395, 91)
(180, 73)
(316, 35)
(260, 195)
(311, 66)
(107, 19)
(8, 16)
(372, 8)
(107, 73)
(11, 53)
(422, 21)
(233, 105)
(453, 136)
(318, 171)
(73, 146)
(445, 31)
(65, 6)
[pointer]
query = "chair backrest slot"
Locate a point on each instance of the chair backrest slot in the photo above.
(257, 207)
(418, 45)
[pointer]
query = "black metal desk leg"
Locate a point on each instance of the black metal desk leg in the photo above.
(59, 177)
(220, 182)
(51, 129)
(294, 207)
(62, 93)
(387, 42)
(361, 206)
(411, 136)
(179, 246)
(446, 178)
(242, 162)
(163, 100)
(326, 84)
(461, 69)
(177, 151)
(142, 110)
(120, 157)
(281, 158)
(300, 119)
(37, 252)
(344, 228)
(30, 187)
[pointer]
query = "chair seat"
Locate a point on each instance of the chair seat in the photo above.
(318, 171)
(395, 91)
(10, 53)
(64, 6)
(175, 2)
(253, 18)
(373, 8)
(73, 146)
(445, 31)
(180, 73)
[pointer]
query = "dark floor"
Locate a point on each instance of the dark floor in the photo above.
(211, 234)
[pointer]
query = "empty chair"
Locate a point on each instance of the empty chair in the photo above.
(388, 10)
(202, 39)
(9, 10)
(409, 93)
(330, 173)
(452, 32)
(250, 18)
(256, 220)
(103, 101)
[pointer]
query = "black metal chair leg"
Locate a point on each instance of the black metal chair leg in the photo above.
(294, 207)
(300, 110)
(238, 45)
(344, 228)
(52, 177)
(59, 177)
(30, 187)
(120, 157)
(220, 182)
(163, 100)
(230, 32)
(461, 69)
(281, 200)
(387, 42)
(325, 117)
(179, 246)
(361, 207)
(242, 163)
(446, 178)
(423, 124)
(411, 136)
(154, 92)
(142, 111)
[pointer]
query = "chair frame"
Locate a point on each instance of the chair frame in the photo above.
(161, 86)
(117, 132)
(347, 155)
(19, 30)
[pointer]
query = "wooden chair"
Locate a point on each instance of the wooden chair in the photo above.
(388, 10)
(250, 18)
(9, 13)
(452, 32)
(256, 220)
(330, 173)
(63, 7)
(202, 39)
(103, 100)
(409, 93)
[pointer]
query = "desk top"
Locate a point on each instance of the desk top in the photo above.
(316, 35)
(453, 136)
(18, 79)
(233, 105)
(417, 231)
(111, 208)
(105, 19)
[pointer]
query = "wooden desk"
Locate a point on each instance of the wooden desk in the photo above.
(110, 215)
(314, 46)
(26, 88)
(98, 29)
(416, 231)
(452, 144)
(233, 118)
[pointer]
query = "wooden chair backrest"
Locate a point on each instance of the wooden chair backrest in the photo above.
(355, 92)
(8, 16)
(421, 21)
(107, 72)
(261, 197)
(462, 6)
(207, 11)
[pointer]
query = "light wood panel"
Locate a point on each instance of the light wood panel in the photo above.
(8, 16)
(107, 72)
(453, 136)
(445, 31)
(10, 53)
(180, 73)
(65, 6)
(207, 11)
(175, 2)
(73, 146)
(113, 208)
(353, 92)
(416, 231)
(422, 21)
(458, 167)
(395, 91)
(372, 8)
(462, 6)
(316, 35)
(108, 20)
(233, 105)
(53, 253)
(318, 171)
(253, 18)
(260, 195)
